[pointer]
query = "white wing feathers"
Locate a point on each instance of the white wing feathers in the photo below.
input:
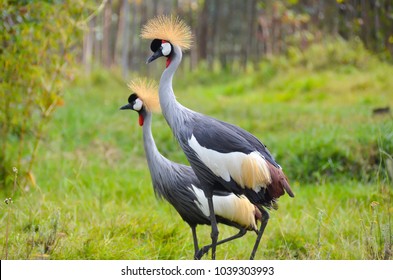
(248, 170)
(234, 208)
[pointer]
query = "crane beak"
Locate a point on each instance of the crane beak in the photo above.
(154, 56)
(125, 107)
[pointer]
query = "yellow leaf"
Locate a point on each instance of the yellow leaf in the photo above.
(60, 102)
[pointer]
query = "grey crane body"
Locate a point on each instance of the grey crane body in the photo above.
(211, 134)
(178, 184)
(216, 151)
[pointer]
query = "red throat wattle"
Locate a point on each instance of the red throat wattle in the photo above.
(168, 60)
(140, 120)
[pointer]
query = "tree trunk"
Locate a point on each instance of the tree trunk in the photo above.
(211, 53)
(126, 38)
(137, 20)
(366, 24)
(96, 22)
(106, 39)
(203, 31)
(88, 41)
(252, 33)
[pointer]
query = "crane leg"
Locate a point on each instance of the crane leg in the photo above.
(195, 239)
(265, 220)
(214, 232)
(206, 248)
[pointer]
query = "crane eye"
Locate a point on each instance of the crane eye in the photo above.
(137, 105)
(155, 45)
(166, 49)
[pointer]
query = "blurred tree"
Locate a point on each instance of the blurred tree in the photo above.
(37, 48)
(232, 33)
(106, 39)
(202, 31)
(123, 37)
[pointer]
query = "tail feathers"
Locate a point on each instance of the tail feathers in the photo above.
(285, 184)
(255, 172)
(279, 184)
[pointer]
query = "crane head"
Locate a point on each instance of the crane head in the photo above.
(160, 48)
(136, 104)
(144, 98)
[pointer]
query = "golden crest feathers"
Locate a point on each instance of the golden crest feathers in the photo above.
(168, 28)
(147, 91)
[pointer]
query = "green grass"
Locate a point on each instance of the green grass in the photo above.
(93, 197)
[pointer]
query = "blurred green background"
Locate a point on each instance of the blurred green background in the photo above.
(311, 79)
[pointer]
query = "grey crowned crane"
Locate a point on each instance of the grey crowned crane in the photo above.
(223, 156)
(178, 184)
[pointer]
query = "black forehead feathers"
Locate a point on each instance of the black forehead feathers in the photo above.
(132, 98)
(155, 45)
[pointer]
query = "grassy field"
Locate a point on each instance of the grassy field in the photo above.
(91, 197)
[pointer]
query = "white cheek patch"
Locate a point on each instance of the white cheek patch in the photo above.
(138, 104)
(166, 49)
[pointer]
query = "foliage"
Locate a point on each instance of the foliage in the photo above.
(234, 35)
(331, 52)
(37, 40)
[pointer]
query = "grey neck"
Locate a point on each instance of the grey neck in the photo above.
(171, 109)
(153, 156)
